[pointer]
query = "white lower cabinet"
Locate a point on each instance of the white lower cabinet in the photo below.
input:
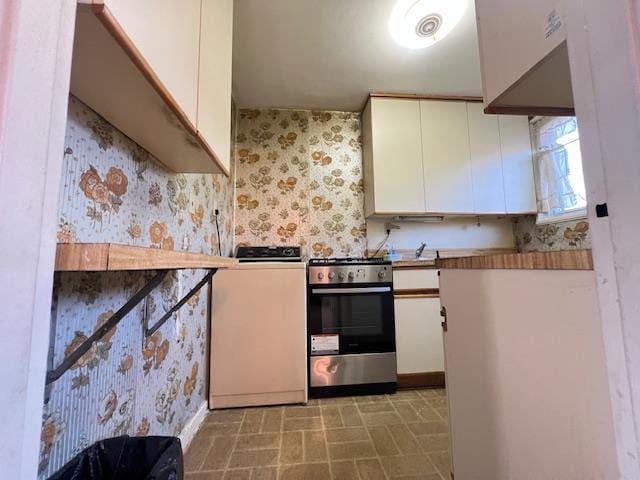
(419, 335)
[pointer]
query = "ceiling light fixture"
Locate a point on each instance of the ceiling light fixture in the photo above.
(421, 23)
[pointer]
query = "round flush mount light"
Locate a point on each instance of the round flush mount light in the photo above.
(421, 23)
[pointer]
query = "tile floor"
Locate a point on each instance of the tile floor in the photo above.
(401, 436)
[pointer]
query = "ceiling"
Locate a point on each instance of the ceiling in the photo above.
(329, 54)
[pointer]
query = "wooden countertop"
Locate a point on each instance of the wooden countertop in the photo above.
(563, 260)
(414, 264)
(102, 257)
(428, 260)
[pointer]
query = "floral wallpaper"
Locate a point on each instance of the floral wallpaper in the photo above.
(114, 191)
(299, 181)
(530, 237)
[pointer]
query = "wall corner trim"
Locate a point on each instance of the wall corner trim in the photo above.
(191, 428)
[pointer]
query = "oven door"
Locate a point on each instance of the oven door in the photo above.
(362, 317)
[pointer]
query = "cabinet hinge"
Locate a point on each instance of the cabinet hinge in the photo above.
(443, 314)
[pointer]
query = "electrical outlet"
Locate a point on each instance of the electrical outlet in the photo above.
(391, 226)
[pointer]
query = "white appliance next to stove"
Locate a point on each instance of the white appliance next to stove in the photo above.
(258, 334)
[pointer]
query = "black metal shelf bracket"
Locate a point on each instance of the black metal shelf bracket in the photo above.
(139, 296)
(151, 330)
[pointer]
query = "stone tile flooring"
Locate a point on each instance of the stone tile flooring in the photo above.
(401, 436)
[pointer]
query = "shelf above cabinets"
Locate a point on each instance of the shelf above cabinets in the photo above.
(443, 157)
(155, 87)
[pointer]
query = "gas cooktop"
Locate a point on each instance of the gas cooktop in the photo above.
(268, 254)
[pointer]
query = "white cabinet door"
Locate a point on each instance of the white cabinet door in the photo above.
(214, 98)
(486, 161)
(396, 156)
(446, 157)
(415, 278)
(528, 395)
(419, 344)
(167, 34)
(517, 164)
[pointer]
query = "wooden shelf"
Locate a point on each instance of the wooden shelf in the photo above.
(562, 260)
(103, 257)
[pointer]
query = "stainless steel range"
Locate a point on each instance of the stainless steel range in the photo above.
(351, 327)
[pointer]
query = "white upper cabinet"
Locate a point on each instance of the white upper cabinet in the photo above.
(517, 164)
(486, 161)
(446, 157)
(214, 99)
(523, 57)
(440, 157)
(160, 72)
(167, 34)
(393, 157)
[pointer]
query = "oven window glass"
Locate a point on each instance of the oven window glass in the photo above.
(353, 315)
(364, 321)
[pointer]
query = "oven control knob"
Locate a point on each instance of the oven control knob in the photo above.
(341, 275)
(332, 275)
(382, 274)
(352, 275)
(320, 275)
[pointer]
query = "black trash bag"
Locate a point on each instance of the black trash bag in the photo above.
(127, 458)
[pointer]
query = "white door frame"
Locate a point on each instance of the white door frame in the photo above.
(603, 42)
(36, 40)
(35, 54)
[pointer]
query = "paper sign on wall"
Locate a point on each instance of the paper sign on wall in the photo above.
(553, 22)
(325, 344)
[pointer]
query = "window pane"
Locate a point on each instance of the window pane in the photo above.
(558, 168)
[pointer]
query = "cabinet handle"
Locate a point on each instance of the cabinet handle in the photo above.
(443, 314)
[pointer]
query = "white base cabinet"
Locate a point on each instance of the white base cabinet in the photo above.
(419, 346)
(419, 335)
(526, 378)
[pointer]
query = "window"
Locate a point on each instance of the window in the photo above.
(560, 189)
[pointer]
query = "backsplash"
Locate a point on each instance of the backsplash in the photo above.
(114, 191)
(299, 181)
(530, 237)
(451, 234)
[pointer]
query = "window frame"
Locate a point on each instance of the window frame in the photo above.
(541, 217)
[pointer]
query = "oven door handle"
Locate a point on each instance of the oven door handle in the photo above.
(330, 291)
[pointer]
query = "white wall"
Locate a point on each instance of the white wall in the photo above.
(604, 52)
(450, 234)
(35, 49)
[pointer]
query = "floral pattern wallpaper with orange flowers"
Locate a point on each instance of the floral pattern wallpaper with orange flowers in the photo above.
(531, 237)
(299, 181)
(114, 191)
